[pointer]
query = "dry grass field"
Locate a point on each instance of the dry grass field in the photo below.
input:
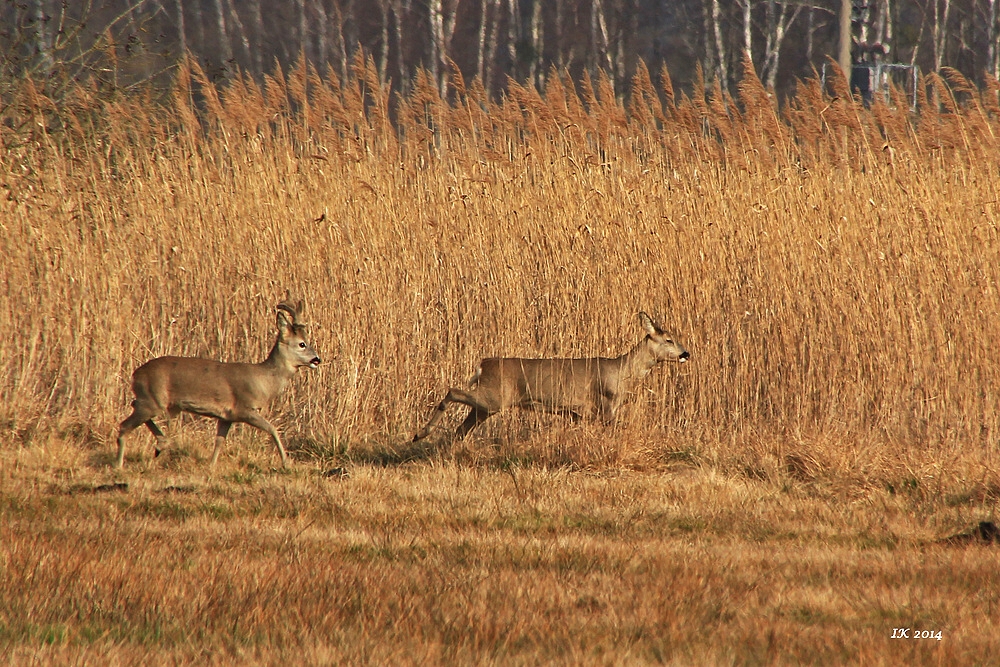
(783, 498)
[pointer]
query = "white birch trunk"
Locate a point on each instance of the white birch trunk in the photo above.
(535, 73)
(721, 72)
(599, 29)
(383, 52)
(491, 47)
(942, 12)
(778, 21)
(513, 34)
(747, 26)
(43, 35)
(437, 38)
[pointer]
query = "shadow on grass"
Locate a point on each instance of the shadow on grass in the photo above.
(373, 452)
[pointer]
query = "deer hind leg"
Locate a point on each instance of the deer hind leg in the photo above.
(256, 420)
(220, 438)
(142, 413)
(475, 418)
(161, 439)
(481, 410)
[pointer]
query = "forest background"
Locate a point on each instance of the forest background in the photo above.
(496, 39)
(821, 475)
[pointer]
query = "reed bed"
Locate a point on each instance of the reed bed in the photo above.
(832, 269)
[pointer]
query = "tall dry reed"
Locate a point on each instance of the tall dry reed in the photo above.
(833, 269)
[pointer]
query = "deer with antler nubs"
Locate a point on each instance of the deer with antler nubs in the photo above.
(229, 392)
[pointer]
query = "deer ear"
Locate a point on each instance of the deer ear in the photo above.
(648, 324)
(285, 317)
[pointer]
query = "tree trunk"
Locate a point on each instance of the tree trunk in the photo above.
(257, 18)
(199, 27)
(43, 36)
(486, 17)
(437, 39)
(621, 53)
(397, 23)
(778, 21)
(322, 23)
(383, 51)
(341, 45)
(241, 34)
(535, 73)
(844, 41)
(225, 48)
(993, 39)
(707, 55)
(721, 72)
(560, 62)
(181, 32)
(449, 25)
(747, 34)
(942, 12)
(349, 30)
(865, 16)
(599, 31)
(303, 30)
(809, 33)
(513, 36)
(491, 47)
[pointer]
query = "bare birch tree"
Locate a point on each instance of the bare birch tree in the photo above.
(993, 38)
(599, 38)
(721, 72)
(940, 13)
(487, 16)
(257, 21)
(513, 35)
(492, 27)
(536, 73)
(43, 35)
(780, 15)
(708, 53)
(442, 31)
(748, 27)
(383, 47)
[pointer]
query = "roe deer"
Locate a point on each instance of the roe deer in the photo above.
(230, 392)
(576, 387)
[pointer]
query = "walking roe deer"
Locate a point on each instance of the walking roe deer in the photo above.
(230, 392)
(576, 387)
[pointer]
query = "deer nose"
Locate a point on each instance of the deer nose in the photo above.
(685, 355)
(315, 362)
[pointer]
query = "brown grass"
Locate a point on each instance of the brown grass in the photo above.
(833, 271)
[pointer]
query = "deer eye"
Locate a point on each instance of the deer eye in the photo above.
(302, 344)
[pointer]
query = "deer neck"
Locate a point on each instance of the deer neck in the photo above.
(637, 362)
(278, 364)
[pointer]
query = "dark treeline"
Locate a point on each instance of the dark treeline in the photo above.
(124, 41)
